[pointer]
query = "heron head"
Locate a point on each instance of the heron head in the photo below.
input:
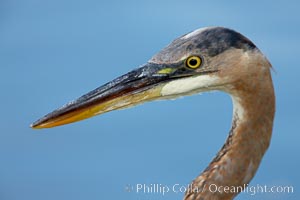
(205, 59)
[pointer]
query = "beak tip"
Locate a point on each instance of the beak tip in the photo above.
(35, 125)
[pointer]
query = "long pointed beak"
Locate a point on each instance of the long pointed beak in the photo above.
(138, 86)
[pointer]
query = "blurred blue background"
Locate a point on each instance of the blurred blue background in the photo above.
(54, 51)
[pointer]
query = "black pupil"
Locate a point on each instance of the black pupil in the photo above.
(193, 62)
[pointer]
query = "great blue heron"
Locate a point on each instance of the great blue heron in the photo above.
(212, 58)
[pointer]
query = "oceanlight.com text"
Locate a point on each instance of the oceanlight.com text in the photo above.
(163, 189)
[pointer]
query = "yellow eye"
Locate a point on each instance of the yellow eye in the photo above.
(193, 62)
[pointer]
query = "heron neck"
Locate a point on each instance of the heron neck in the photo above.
(238, 160)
